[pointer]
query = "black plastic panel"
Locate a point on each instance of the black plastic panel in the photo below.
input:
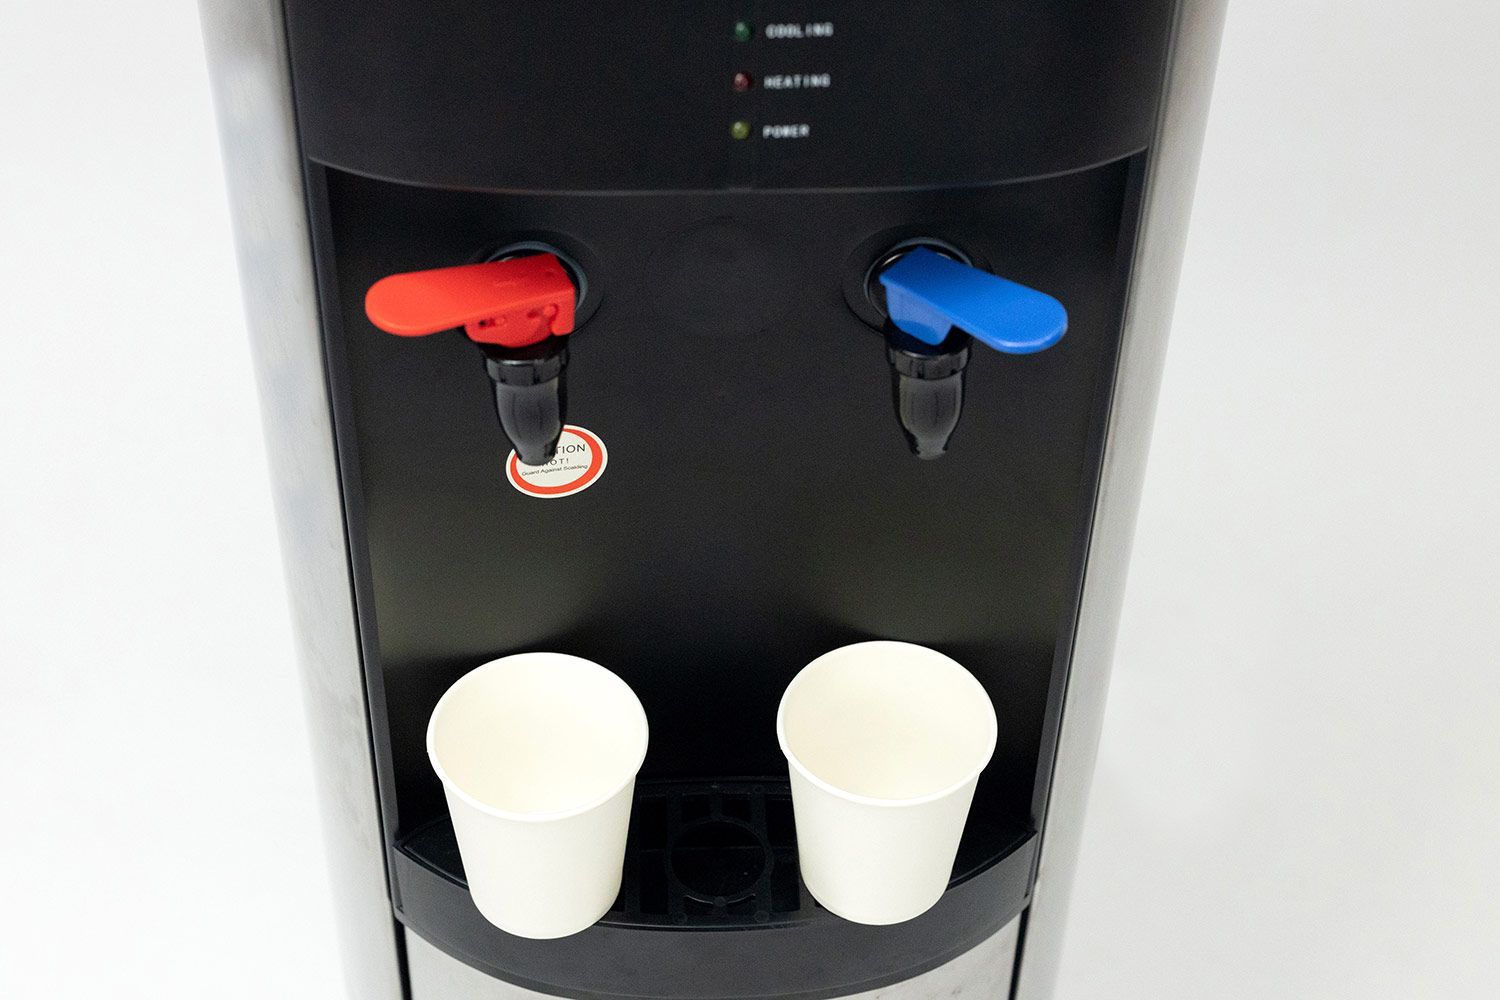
(589, 96)
(759, 508)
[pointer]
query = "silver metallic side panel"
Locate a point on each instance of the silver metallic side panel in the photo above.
(249, 70)
(1168, 199)
(981, 973)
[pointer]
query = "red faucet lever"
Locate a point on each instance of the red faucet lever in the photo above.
(512, 303)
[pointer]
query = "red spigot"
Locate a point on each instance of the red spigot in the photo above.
(512, 309)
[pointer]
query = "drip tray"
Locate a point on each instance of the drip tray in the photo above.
(711, 854)
(704, 858)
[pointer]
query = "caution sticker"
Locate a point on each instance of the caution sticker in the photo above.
(578, 464)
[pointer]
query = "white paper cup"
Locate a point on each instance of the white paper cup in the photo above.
(885, 742)
(538, 754)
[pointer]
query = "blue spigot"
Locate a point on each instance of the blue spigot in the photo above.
(927, 295)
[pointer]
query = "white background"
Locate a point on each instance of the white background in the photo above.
(1297, 795)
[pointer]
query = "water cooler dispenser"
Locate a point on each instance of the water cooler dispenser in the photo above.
(698, 339)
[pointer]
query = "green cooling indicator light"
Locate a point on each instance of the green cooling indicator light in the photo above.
(743, 31)
(740, 130)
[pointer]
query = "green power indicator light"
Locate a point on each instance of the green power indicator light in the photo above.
(740, 130)
(743, 32)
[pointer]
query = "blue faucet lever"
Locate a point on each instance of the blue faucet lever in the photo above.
(927, 295)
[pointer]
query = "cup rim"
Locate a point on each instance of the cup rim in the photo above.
(871, 800)
(453, 788)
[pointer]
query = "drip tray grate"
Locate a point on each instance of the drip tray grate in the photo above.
(721, 853)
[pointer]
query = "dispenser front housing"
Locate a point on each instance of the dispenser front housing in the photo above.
(722, 339)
